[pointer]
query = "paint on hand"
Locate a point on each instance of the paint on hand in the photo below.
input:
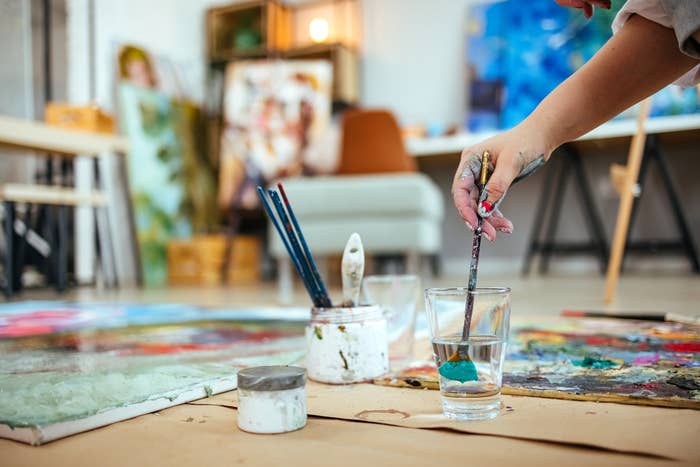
(596, 363)
(530, 168)
(462, 371)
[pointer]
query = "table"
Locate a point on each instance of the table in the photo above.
(108, 153)
(426, 147)
(572, 164)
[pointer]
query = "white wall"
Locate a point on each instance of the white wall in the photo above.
(412, 50)
(413, 58)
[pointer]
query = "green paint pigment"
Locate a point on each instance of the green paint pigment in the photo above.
(462, 371)
(596, 363)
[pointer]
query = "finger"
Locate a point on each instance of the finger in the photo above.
(463, 185)
(488, 231)
(495, 189)
(500, 223)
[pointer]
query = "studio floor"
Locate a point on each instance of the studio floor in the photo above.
(204, 433)
(531, 296)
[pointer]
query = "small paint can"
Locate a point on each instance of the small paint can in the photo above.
(271, 399)
(347, 344)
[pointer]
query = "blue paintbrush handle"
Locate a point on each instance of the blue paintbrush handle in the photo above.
(306, 270)
(312, 263)
(283, 237)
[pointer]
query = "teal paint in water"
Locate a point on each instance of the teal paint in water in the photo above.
(462, 371)
(596, 363)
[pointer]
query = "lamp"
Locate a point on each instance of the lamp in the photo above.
(318, 30)
(331, 21)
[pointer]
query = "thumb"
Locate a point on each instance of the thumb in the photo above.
(495, 190)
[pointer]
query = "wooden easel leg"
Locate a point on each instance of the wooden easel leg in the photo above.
(556, 212)
(634, 161)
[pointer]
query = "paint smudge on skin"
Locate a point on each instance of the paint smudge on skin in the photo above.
(596, 363)
(530, 168)
(461, 371)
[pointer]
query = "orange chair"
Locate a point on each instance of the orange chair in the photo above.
(377, 193)
(372, 144)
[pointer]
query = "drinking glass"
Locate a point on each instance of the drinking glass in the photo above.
(397, 296)
(470, 369)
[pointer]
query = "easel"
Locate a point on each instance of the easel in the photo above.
(625, 181)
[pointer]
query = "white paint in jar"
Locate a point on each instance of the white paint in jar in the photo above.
(347, 345)
(271, 399)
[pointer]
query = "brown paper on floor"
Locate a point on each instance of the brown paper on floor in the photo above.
(670, 433)
(207, 436)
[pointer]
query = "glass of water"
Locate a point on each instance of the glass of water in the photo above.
(397, 296)
(470, 368)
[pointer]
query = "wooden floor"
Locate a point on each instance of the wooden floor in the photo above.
(538, 295)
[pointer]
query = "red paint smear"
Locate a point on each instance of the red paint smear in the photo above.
(601, 340)
(683, 347)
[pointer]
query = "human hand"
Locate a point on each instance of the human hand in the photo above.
(585, 5)
(514, 154)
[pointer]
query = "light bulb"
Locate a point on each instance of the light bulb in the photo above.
(318, 30)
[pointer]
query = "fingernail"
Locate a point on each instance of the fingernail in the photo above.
(485, 208)
(469, 226)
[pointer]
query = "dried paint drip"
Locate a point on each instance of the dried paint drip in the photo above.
(347, 345)
(596, 363)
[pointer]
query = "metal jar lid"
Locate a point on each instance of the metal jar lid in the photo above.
(271, 378)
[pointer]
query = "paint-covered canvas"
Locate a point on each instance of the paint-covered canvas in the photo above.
(275, 111)
(68, 368)
(516, 56)
(625, 361)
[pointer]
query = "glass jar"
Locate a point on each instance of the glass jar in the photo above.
(347, 344)
(271, 399)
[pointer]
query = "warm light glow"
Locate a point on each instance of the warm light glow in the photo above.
(318, 30)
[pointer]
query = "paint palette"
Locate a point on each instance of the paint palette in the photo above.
(606, 360)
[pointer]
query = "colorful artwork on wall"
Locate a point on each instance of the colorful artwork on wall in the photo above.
(273, 113)
(173, 183)
(68, 368)
(516, 56)
(624, 361)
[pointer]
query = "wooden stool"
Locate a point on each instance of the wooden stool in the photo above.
(62, 198)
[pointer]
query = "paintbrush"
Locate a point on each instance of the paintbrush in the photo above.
(459, 366)
(640, 316)
(476, 247)
(353, 268)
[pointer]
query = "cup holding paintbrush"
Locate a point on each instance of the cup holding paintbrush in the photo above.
(348, 343)
(459, 365)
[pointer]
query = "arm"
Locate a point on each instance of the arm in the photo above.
(641, 59)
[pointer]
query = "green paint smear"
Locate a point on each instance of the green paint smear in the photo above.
(461, 371)
(90, 384)
(596, 363)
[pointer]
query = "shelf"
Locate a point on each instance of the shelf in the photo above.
(419, 147)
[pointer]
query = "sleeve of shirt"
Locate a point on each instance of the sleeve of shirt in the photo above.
(683, 16)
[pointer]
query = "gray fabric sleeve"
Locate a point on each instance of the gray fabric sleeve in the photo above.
(685, 21)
